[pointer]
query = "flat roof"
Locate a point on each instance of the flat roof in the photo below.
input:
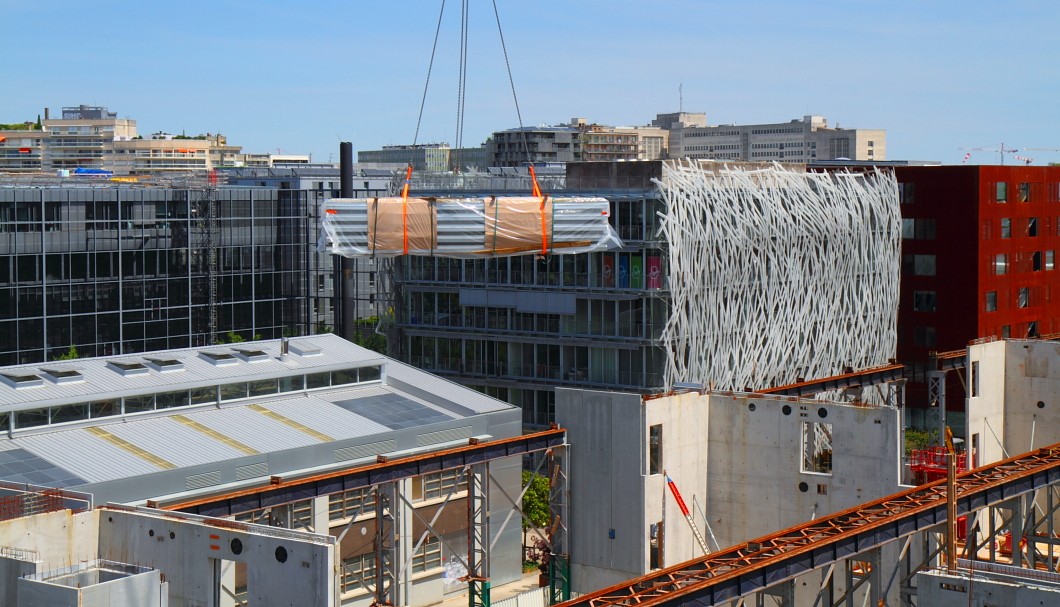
(222, 442)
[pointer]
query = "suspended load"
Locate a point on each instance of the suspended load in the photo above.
(468, 227)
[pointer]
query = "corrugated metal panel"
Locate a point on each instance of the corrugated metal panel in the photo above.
(477, 402)
(253, 429)
(252, 471)
(443, 436)
(206, 479)
(323, 416)
(348, 453)
(173, 441)
(87, 456)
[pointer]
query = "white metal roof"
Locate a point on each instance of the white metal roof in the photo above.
(101, 380)
(112, 448)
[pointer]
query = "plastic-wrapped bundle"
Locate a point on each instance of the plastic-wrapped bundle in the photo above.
(468, 227)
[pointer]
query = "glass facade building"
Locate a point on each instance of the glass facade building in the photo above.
(112, 269)
(517, 327)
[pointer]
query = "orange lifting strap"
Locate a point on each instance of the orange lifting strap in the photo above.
(405, 210)
(536, 191)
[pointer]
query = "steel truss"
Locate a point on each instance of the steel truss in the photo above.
(395, 515)
(853, 539)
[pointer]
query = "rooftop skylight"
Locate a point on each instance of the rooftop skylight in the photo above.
(63, 376)
(219, 358)
(127, 368)
(165, 364)
(250, 355)
(20, 380)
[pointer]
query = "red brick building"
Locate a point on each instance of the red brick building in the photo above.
(979, 259)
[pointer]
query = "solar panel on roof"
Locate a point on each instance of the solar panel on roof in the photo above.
(21, 466)
(394, 411)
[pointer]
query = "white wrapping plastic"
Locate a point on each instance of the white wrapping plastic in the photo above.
(468, 227)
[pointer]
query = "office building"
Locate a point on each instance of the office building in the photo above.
(803, 141)
(429, 157)
(979, 260)
(663, 308)
(577, 141)
(94, 138)
(113, 269)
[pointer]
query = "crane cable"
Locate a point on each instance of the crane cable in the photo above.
(461, 93)
(507, 64)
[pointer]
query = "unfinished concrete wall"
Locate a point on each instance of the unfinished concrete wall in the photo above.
(606, 431)
(283, 567)
(939, 589)
(141, 590)
(1015, 401)
(685, 428)
(757, 482)
(10, 570)
(58, 538)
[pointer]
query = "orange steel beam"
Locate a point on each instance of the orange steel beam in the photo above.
(875, 375)
(283, 489)
(763, 562)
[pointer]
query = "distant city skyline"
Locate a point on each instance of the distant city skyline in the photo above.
(937, 77)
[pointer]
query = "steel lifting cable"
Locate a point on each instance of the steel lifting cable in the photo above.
(535, 188)
(430, 66)
(462, 82)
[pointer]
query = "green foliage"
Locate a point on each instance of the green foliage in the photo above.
(232, 338)
(535, 501)
(70, 354)
(920, 439)
(321, 327)
(20, 126)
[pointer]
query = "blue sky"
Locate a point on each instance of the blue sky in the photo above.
(300, 77)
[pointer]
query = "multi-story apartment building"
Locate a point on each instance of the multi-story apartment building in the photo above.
(20, 149)
(806, 140)
(89, 137)
(432, 157)
(608, 143)
(540, 144)
(979, 260)
(112, 269)
(574, 142)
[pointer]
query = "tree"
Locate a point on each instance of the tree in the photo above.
(538, 515)
(919, 439)
(39, 125)
(70, 354)
(535, 501)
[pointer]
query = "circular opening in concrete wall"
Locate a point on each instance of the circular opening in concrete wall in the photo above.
(822, 412)
(236, 545)
(1041, 405)
(281, 554)
(151, 533)
(172, 535)
(787, 409)
(804, 487)
(751, 407)
(110, 519)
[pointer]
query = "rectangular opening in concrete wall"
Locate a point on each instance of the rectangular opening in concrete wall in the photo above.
(817, 447)
(973, 380)
(655, 463)
(655, 545)
(230, 583)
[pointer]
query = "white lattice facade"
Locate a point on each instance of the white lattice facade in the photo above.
(777, 274)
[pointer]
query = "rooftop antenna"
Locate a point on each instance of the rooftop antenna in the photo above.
(680, 97)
